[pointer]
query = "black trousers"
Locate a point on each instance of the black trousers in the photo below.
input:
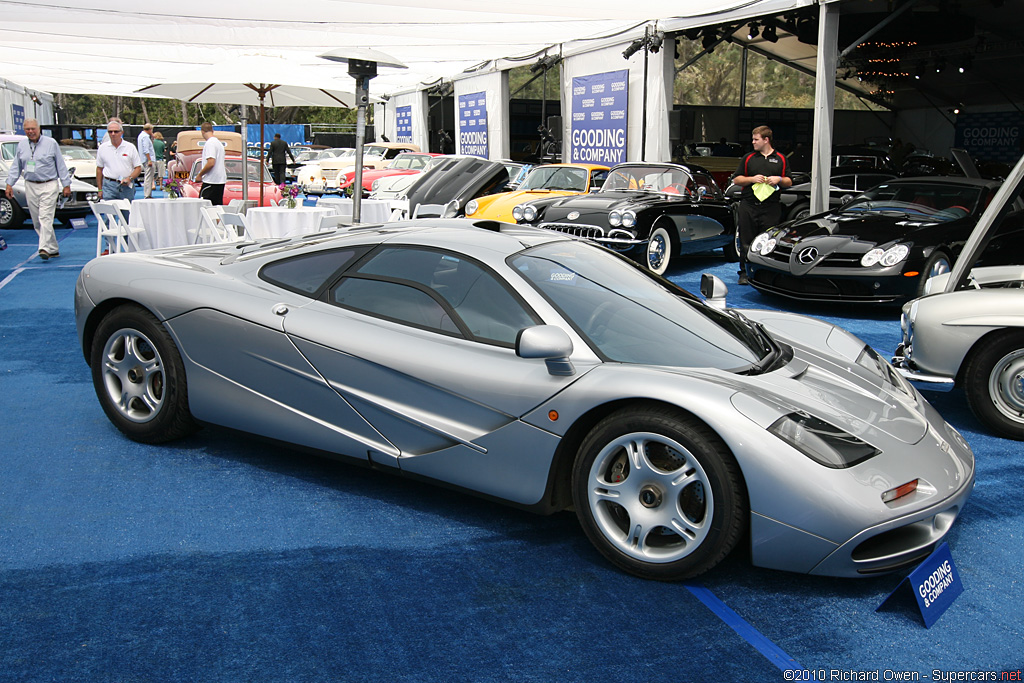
(753, 218)
(215, 193)
(277, 170)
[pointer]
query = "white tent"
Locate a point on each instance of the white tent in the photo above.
(115, 47)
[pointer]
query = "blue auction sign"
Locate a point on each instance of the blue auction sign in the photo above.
(292, 133)
(473, 125)
(993, 136)
(935, 584)
(599, 106)
(403, 123)
(18, 114)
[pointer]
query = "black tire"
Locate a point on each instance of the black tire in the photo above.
(11, 215)
(994, 392)
(139, 377)
(659, 251)
(798, 211)
(936, 264)
(639, 515)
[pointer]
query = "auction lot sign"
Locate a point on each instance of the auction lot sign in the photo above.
(599, 106)
(473, 124)
(993, 136)
(403, 123)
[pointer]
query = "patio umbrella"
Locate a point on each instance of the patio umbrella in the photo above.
(257, 80)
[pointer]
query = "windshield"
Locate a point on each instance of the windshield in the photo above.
(666, 179)
(76, 153)
(936, 201)
(556, 178)
(413, 161)
(628, 316)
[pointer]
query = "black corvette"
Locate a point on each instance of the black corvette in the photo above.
(650, 212)
(880, 246)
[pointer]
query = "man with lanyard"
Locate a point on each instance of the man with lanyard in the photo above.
(39, 160)
(147, 153)
(213, 174)
(117, 165)
(761, 174)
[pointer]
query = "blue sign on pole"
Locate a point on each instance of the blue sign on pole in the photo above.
(403, 123)
(599, 106)
(473, 125)
(935, 583)
(18, 114)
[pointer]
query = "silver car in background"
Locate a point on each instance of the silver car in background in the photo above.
(968, 331)
(542, 371)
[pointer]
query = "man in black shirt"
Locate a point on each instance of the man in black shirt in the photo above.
(278, 149)
(762, 174)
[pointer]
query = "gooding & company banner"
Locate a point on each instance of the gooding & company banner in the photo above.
(599, 106)
(473, 124)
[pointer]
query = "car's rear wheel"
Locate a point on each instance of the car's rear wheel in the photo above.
(937, 264)
(11, 215)
(139, 377)
(659, 251)
(994, 383)
(658, 493)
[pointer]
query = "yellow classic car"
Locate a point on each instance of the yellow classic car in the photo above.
(549, 180)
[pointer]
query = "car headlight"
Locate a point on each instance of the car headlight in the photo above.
(628, 219)
(374, 185)
(92, 197)
(821, 442)
(887, 257)
(614, 218)
(471, 207)
(764, 244)
(529, 213)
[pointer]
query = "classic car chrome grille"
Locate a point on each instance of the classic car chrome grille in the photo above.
(590, 232)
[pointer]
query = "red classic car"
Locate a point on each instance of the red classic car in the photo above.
(233, 188)
(407, 163)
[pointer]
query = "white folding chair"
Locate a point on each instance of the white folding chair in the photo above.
(235, 222)
(333, 222)
(212, 228)
(428, 211)
(113, 234)
(239, 205)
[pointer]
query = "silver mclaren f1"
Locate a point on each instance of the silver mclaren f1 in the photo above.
(543, 371)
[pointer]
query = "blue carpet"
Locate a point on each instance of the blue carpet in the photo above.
(222, 558)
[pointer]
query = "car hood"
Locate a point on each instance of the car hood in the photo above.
(459, 179)
(874, 228)
(831, 378)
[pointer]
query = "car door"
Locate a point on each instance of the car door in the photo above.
(421, 342)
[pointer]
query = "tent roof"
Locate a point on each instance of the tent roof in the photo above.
(112, 47)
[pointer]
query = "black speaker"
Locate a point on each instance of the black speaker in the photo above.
(555, 126)
(675, 124)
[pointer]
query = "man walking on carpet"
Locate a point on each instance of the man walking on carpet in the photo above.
(39, 160)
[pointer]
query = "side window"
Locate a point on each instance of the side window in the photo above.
(435, 290)
(597, 179)
(308, 274)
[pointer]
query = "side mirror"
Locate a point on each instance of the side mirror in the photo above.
(550, 343)
(714, 290)
(701, 192)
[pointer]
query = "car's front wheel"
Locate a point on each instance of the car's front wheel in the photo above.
(658, 493)
(659, 251)
(937, 264)
(139, 377)
(11, 215)
(994, 383)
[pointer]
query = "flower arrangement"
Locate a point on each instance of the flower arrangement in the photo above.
(290, 194)
(172, 186)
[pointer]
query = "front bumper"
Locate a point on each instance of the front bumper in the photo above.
(830, 287)
(920, 380)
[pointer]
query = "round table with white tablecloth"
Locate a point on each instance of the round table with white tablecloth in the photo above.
(371, 210)
(167, 222)
(280, 221)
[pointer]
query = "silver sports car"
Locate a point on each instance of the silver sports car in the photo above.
(546, 372)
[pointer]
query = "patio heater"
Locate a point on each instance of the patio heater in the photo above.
(362, 66)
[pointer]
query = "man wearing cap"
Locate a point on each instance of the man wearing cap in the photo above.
(39, 160)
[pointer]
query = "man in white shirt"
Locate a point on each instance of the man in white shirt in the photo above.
(117, 165)
(148, 155)
(213, 173)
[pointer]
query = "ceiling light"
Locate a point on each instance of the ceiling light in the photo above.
(753, 32)
(769, 33)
